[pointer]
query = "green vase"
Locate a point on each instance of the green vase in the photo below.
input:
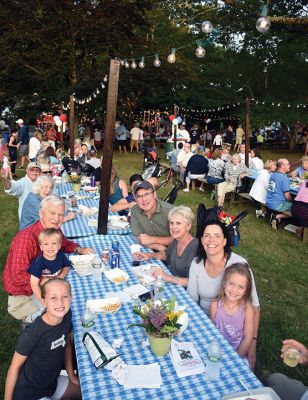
(159, 346)
(76, 187)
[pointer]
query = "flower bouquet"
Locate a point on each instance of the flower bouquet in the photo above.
(160, 321)
(225, 218)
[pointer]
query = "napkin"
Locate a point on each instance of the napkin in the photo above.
(84, 210)
(92, 222)
(116, 276)
(135, 290)
(142, 376)
(122, 295)
(143, 273)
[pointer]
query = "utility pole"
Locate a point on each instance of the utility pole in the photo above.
(113, 83)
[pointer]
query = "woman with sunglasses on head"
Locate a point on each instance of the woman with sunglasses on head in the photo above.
(206, 272)
(180, 253)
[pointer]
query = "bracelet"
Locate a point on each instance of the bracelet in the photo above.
(255, 338)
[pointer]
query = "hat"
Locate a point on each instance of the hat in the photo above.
(20, 121)
(143, 185)
(184, 123)
(33, 165)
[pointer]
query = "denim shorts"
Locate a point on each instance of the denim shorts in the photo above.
(285, 206)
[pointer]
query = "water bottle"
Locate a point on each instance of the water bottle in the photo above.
(93, 182)
(115, 255)
(235, 237)
(64, 177)
(213, 361)
(158, 288)
(87, 320)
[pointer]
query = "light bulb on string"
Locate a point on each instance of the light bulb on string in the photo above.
(200, 51)
(122, 62)
(171, 58)
(263, 23)
(207, 27)
(126, 64)
(94, 95)
(102, 86)
(141, 63)
(105, 78)
(157, 62)
(133, 64)
(97, 91)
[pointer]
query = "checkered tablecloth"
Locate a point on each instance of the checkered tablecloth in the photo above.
(79, 226)
(98, 384)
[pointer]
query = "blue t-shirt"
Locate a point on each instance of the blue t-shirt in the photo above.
(278, 185)
(30, 211)
(42, 268)
(121, 132)
(299, 171)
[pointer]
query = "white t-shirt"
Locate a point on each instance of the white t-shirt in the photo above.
(259, 187)
(34, 147)
(184, 158)
(256, 163)
(134, 133)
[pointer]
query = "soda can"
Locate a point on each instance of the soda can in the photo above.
(73, 202)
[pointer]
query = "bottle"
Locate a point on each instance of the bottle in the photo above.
(87, 320)
(64, 177)
(158, 288)
(93, 183)
(115, 255)
(213, 361)
(235, 236)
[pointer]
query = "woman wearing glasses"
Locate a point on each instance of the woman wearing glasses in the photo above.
(182, 250)
(214, 255)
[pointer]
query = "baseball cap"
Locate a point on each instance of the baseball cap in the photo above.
(33, 165)
(20, 121)
(143, 185)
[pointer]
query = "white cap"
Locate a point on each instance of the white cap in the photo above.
(184, 123)
(20, 121)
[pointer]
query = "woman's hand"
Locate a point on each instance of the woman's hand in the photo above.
(138, 255)
(158, 271)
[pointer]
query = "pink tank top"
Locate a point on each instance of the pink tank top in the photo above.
(231, 326)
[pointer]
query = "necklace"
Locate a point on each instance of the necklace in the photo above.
(181, 247)
(230, 307)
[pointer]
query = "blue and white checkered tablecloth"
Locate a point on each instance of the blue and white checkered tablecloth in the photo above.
(79, 226)
(98, 384)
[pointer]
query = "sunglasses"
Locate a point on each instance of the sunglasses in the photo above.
(46, 172)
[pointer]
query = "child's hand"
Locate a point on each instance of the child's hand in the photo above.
(74, 379)
(43, 280)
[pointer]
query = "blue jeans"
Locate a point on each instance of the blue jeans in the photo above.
(213, 181)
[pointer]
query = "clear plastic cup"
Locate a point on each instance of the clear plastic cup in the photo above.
(291, 357)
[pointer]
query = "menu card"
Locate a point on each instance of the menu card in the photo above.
(186, 359)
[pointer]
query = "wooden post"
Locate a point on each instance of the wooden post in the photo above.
(113, 82)
(72, 126)
(175, 127)
(247, 127)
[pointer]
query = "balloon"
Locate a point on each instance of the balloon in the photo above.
(58, 123)
(208, 120)
(175, 121)
(171, 117)
(63, 117)
(179, 120)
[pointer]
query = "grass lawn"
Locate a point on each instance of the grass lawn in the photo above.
(279, 262)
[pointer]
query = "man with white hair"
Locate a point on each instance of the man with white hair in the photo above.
(21, 188)
(24, 249)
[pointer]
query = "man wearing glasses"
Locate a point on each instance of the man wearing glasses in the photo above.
(149, 218)
(21, 188)
(278, 193)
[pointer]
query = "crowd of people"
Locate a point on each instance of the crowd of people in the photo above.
(218, 280)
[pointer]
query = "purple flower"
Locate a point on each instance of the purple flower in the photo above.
(157, 318)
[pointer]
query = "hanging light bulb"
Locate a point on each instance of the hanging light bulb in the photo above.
(207, 27)
(105, 78)
(126, 64)
(141, 63)
(171, 58)
(122, 62)
(200, 52)
(133, 64)
(94, 95)
(263, 23)
(157, 62)
(102, 86)
(97, 91)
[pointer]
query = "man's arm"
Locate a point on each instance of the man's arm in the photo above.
(147, 240)
(288, 196)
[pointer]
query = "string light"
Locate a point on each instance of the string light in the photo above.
(141, 63)
(122, 62)
(171, 58)
(207, 26)
(200, 51)
(102, 86)
(105, 78)
(126, 64)
(133, 64)
(263, 23)
(157, 62)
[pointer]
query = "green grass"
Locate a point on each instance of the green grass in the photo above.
(278, 260)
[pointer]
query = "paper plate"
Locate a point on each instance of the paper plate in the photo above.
(117, 276)
(264, 393)
(104, 306)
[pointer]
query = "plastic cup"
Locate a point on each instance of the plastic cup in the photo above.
(291, 357)
(135, 248)
(96, 270)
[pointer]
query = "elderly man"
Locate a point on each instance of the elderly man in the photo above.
(24, 249)
(278, 196)
(21, 188)
(149, 218)
(182, 135)
(183, 158)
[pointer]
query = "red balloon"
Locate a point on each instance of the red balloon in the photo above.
(171, 117)
(63, 117)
